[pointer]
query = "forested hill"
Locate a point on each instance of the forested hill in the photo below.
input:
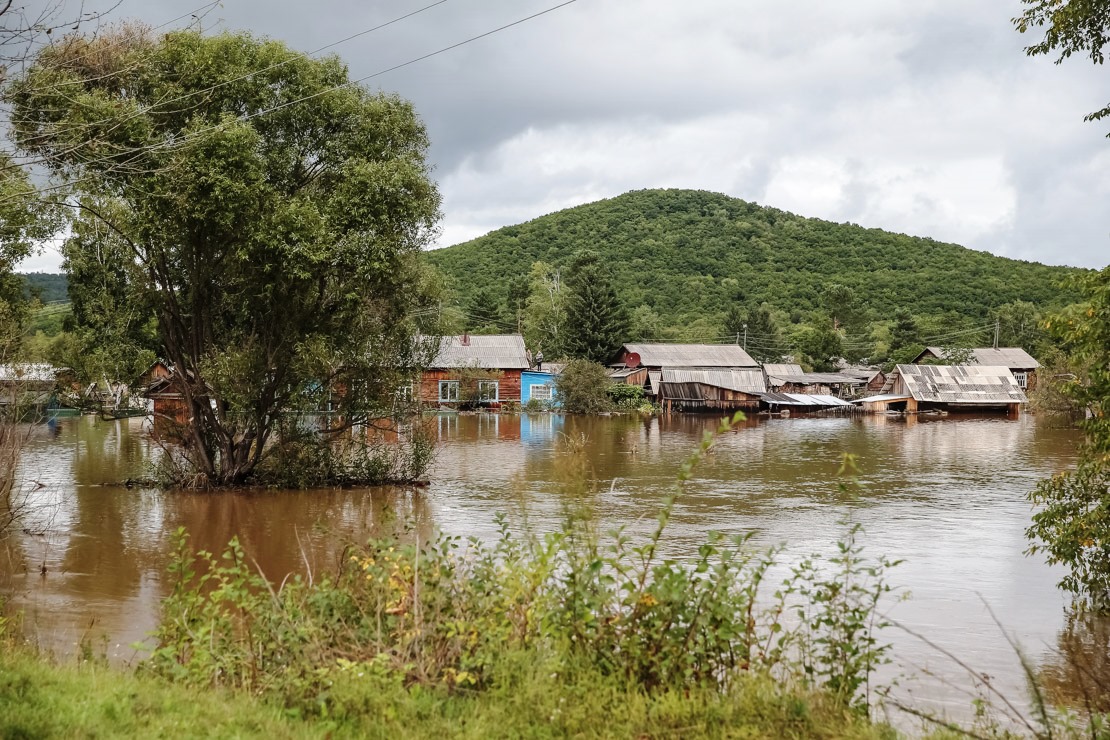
(689, 254)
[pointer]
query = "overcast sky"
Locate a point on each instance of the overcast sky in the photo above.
(925, 118)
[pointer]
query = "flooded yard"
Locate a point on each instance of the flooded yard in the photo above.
(946, 495)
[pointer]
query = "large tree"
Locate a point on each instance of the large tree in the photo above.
(597, 322)
(272, 210)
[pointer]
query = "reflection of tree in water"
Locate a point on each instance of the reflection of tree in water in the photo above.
(1077, 674)
(288, 531)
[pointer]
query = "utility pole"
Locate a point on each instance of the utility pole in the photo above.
(996, 325)
(745, 337)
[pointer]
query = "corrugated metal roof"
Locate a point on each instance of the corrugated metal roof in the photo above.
(692, 355)
(780, 369)
(803, 399)
(489, 352)
(812, 379)
(966, 384)
(743, 381)
(1011, 357)
(883, 397)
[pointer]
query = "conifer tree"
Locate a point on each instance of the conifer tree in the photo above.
(597, 322)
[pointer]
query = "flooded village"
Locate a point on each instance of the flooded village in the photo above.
(553, 370)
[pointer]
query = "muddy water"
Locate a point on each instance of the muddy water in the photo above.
(946, 495)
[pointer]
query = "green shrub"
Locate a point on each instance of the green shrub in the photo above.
(582, 388)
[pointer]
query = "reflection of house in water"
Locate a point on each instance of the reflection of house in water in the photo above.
(942, 444)
(540, 428)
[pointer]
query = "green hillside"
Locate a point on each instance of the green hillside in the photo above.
(698, 266)
(689, 255)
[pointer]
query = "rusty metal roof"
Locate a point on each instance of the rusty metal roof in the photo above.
(743, 381)
(485, 351)
(692, 355)
(1011, 357)
(964, 384)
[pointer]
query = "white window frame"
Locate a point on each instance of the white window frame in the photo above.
(1022, 379)
(546, 391)
(484, 388)
(404, 392)
(452, 388)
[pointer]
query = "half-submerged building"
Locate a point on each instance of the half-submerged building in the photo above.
(916, 388)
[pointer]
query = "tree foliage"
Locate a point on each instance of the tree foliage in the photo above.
(1070, 27)
(582, 388)
(272, 214)
(1072, 526)
(597, 323)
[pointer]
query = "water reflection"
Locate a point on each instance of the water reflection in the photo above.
(945, 495)
(1077, 672)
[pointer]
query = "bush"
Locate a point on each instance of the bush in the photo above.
(449, 615)
(582, 388)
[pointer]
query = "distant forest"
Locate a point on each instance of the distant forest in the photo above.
(48, 287)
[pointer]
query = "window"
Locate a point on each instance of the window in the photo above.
(1022, 379)
(404, 392)
(540, 392)
(449, 390)
(487, 391)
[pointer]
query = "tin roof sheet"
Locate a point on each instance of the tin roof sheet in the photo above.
(965, 384)
(803, 399)
(692, 355)
(488, 351)
(743, 381)
(1011, 357)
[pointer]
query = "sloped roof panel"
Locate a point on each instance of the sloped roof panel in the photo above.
(742, 381)
(967, 384)
(1011, 357)
(692, 355)
(488, 352)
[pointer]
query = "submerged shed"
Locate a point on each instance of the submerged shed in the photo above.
(914, 388)
(711, 388)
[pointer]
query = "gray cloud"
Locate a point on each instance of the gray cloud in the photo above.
(924, 118)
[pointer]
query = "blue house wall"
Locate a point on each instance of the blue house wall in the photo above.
(529, 378)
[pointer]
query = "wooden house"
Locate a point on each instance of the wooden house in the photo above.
(789, 378)
(1019, 362)
(475, 370)
(537, 385)
(872, 378)
(916, 388)
(31, 385)
(697, 389)
(642, 364)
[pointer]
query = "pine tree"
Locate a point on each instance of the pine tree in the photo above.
(597, 322)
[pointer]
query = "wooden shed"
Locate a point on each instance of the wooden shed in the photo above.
(682, 389)
(1019, 362)
(915, 388)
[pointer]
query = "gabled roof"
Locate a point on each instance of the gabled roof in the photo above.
(692, 355)
(1011, 357)
(488, 352)
(743, 381)
(969, 384)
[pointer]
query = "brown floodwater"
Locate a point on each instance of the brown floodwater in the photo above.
(946, 495)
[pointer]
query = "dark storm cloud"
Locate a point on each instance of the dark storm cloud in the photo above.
(921, 118)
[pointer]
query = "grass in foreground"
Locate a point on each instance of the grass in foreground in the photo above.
(39, 699)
